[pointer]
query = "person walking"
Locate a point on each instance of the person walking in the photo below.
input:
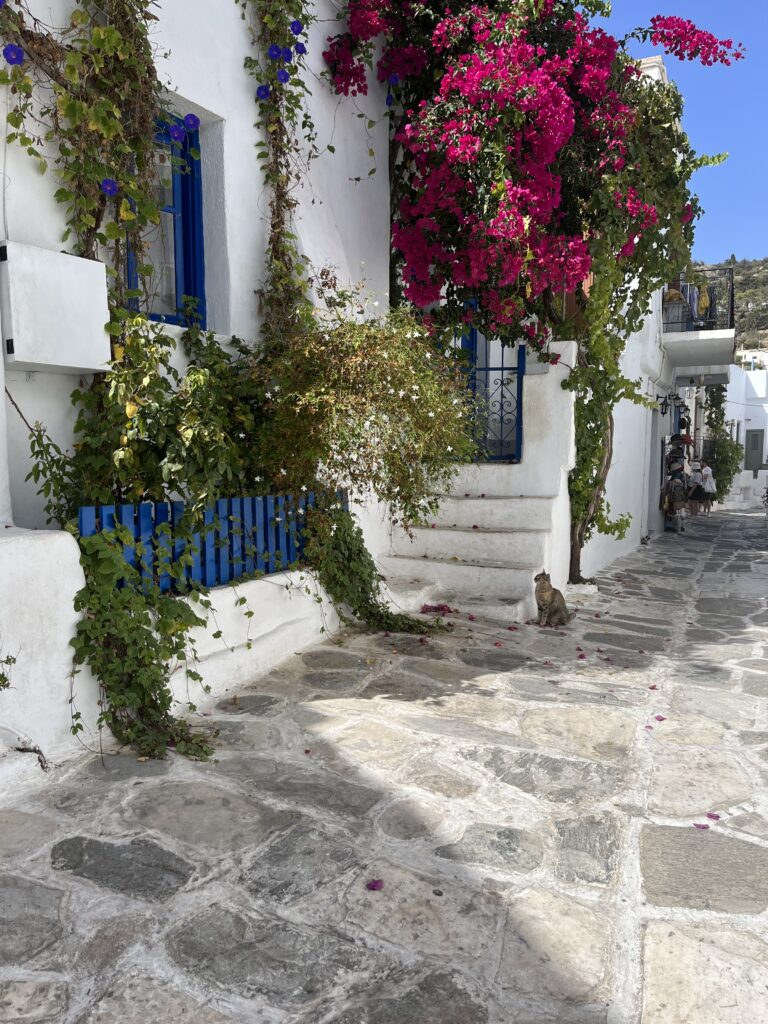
(696, 492)
(674, 495)
(710, 489)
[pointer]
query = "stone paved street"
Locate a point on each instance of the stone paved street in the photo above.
(529, 800)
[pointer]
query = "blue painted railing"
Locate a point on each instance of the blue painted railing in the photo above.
(239, 537)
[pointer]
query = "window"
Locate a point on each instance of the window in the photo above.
(174, 248)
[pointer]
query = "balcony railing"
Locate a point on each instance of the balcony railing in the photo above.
(699, 301)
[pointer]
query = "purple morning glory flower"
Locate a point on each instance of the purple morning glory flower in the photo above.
(394, 79)
(287, 54)
(390, 99)
(13, 54)
(274, 52)
(262, 93)
(297, 28)
(109, 187)
(283, 76)
(191, 122)
(177, 133)
(300, 48)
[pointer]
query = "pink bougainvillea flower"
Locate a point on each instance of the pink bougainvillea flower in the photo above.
(649, 728)
(653, 687)
(548, 664)
(597, 615)
(512, 629)
(375, 885)
(640, 651)
(472, 618)
(475, 527)
(701, 826)
(307, 750)
(660, 718)
(582, 657)
(713, 817)
(498, 644)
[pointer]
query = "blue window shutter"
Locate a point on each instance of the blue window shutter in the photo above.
(187, 213)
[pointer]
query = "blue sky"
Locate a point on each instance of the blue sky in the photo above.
(726, 110)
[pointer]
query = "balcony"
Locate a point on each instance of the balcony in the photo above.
(698, 316)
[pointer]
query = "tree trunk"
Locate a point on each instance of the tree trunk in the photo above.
(579, 529)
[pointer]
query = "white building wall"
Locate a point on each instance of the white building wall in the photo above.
(341, 222)
(634, 480)
(747, 407)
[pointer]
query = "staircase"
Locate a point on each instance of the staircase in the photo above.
(501, 523)
(480, 552)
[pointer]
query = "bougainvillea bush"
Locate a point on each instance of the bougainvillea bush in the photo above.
(531, 155)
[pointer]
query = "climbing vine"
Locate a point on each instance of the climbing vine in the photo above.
(726, 456)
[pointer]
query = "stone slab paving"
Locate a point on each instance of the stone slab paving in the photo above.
(492, 826)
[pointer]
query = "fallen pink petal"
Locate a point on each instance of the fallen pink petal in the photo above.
(375, 885)
(472, 618)
(649, 728)
(582, 657)
(498, 644)
(660, 718)
(713, 817)
(700, 826)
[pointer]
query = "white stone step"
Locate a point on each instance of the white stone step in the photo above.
(496, 478)
(470, 578)
(409, 594)
(494, 511)
(527, 548)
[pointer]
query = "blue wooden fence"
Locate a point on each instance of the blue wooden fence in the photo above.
(238, 537)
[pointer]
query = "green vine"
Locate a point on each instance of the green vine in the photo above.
(726, 456)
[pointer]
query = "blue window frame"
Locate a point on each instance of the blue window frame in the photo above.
(175, 246)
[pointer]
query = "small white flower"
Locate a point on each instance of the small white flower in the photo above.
(431, 415)
(401, 394)
(278, 519)
(277, 387)
(283, 472)
(303, 487)
(375, 304)
(449, 449)
(257, 479)
(241, 435)
(267, 394)
(300, 512)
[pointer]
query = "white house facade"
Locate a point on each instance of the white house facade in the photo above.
(504, 520)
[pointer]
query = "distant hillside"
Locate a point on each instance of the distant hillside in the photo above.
(750, 279)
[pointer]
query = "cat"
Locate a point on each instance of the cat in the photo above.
(551, 603)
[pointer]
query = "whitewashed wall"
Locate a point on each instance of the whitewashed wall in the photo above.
(747, 405)
(340, 222)
(634, 480)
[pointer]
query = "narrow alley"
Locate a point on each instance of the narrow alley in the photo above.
(493, 826)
